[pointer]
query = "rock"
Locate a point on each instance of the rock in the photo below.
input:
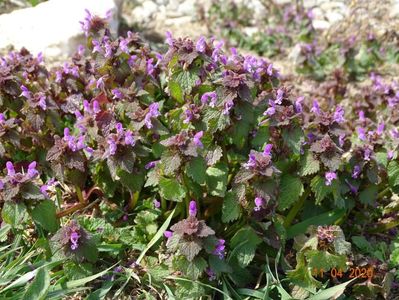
(145, 11)
(53, 27)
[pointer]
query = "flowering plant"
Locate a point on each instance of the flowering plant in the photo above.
(209, 149)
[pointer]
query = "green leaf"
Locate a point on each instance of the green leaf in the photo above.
(171, 189)
(80, 282)
(186, 79)
(219, 265)
(31, 191)
(319, 188)
(261, 137)
(133, 181)
(88, 250)
(215, 120)
(13, 213)
(340, 245)
(170, 162)
(231, 207)
(309, 165)
(362, 243)
(190, 249)
(217, 179)
(39, 287)
(244, 244)
(302, 274)
(156, 237)
(393, 173)
(196, 169)
(369, 195)
(294, 138)
(325, 260)
(332, 292)
(45, 214)
(195, 268)
(382, 158)
(101, 292)
(291, 188)
(176, 91)
(327, 218)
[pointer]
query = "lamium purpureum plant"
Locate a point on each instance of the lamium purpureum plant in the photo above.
(115, 145)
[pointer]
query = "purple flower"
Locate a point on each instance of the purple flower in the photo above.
(341, 139)
(361, 116)
(279, 97)
(330, 176)
(86, 23)
(150, 67)
(153, 112)
(209, 95)
(132, 60)
(356, 171)
(380, 128)
(367, 154)
(112, 147)
(268, 149)
(40, 57)
(197, 139)
(395, 133)
(96, 46)
(250, 63)
(25, 92)
(151, 164)
(10, 169)
(189, 116)
(2, 118)
(74, 238)
(192, 209)
(251, 163)
(361, 133)
(211, 274)
(129, 140)
(123, 45)
(216, 52)
(270, 70)
(1, 184)
(117, 94)
(100, 83)
(168, 234)
(352, 188)
(169, 38)
(259, 202)
(390, 154)
(32, 172)
(339, 115)
(315, 108)
(42, 102)
(228, 105)
(298, 104)
(119, 128)
(271, 110)
(45, 187)
(81, 50)
(201, 45)
(156, 203)
(219, 249)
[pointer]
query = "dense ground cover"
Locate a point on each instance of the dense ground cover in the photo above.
(199, 171)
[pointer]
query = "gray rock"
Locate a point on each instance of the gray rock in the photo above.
(53, 27)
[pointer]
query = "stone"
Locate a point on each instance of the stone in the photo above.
(53, 27)
(145, 11)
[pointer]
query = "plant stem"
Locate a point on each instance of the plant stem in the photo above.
(80, 194)
(296, 208)
(383, 192)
